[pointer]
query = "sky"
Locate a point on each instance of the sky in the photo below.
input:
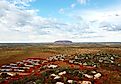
(27, 21)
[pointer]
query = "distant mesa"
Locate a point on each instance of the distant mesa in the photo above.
(63, 42)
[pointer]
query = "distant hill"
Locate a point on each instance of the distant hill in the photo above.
(63, 42)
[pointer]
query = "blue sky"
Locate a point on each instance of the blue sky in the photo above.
(50, 20)
(50, 8)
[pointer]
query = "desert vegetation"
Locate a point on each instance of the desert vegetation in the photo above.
(62, 64)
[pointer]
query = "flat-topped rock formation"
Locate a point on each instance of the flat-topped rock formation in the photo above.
(63, 42)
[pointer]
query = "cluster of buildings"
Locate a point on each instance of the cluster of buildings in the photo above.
(24, 66)
(58, 77)
(49, 66)
(83, 61)
(62, 77)
(93, 60)
(28, 66)
(57, 58)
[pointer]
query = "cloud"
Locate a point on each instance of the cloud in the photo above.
(82, 1)
(73, 5)
(20, 24)
(107, 20)
(14, 21)
(104, 23)
(21, 3)
(110, 27)
(61, 11)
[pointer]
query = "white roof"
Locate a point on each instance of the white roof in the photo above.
(98, 75)
(70, 81)
(94, 72)
(5, 70)
(57, 77)
(29, 65)
(53, 75)
(86, 82)
(11, 74)
(88, 76)
(62, 73)
(59, 83)
(52, 66)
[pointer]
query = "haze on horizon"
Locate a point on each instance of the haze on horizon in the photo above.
(51, 20)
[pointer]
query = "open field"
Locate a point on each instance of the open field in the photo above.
(15, 52)
(110, 53)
